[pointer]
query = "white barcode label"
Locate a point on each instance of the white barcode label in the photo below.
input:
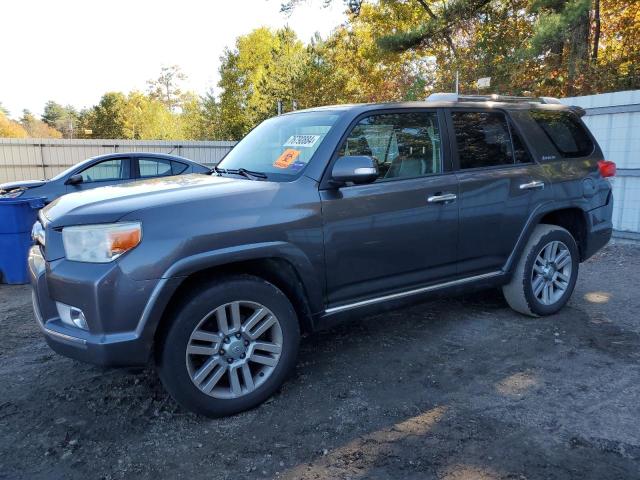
(301, 141)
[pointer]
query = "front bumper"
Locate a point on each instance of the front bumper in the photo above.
(114, 305)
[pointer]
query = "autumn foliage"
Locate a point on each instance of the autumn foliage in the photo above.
(387, 50)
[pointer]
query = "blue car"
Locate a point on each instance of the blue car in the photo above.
(110, 169)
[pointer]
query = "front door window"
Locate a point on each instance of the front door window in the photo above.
(405, 145)
(109, 170)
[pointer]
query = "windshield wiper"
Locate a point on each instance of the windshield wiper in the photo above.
(250, 174)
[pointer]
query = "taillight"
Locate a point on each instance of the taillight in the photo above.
(607, 168)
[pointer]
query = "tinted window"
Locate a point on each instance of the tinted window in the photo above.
(178, 167)
(565, 132)
(520, 151)
(404, 145)
(115, 169)
(483, 139)
(154, 167)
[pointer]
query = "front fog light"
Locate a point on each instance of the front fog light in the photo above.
(72, 316)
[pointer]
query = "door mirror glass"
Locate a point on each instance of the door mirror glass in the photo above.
(74, 179)
(356, 169)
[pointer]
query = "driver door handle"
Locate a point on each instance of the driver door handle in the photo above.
(533, 185)
(442, 198)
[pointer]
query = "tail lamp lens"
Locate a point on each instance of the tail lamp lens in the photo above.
(607, 168)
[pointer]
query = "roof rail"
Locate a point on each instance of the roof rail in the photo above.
(455, 97)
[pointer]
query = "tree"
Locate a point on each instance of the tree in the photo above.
(146, 117)
(53, 113)
(166, 88)
(353, 6)
(133, 116)
(561, 36)
(545, 47)
(64, 119)
(84, 123)
(11, 129)
(37, 128)
(3, 110)
(617, 50)
(211, 118)
(200, 117)
(108, 117)
(265, 67)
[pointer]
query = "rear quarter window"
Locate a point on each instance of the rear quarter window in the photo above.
(178, 167)
(565, 131)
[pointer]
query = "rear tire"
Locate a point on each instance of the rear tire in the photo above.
(546, 273)
(230, 346)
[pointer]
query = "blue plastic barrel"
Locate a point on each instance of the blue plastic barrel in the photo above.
(17, 217)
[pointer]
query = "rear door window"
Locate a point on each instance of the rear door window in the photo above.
(565, 131)
(154, 167)
(483, 139)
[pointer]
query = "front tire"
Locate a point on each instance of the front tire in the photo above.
(229, 347)
(546, 273)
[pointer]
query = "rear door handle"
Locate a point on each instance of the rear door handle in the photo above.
(442, 198)
(534, 185)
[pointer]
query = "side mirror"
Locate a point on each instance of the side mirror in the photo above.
(357, 169)
(74, 180)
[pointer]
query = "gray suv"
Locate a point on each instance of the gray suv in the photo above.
(316, 216)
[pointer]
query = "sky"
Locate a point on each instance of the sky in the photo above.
(73, 51)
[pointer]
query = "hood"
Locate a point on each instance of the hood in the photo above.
(111, 203)
(23, 184)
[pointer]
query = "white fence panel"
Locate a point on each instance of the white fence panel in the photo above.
(35, 158)
(614, 119)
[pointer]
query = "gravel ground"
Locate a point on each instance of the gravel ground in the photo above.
(459, 388)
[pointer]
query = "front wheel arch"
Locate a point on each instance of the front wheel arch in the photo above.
(277, 271)
(196, 307)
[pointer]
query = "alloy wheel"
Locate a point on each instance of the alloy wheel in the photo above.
(234, 349)
(551, 272)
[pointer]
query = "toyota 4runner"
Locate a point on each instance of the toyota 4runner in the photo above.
(315, 216)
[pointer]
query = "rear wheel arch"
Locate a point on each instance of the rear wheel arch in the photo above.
(574, 220)
(524, 291)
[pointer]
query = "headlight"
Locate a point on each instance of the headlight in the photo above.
(38, 234)
(100, 243)
(11, 193)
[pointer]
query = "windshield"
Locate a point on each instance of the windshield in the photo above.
(67, 171)
(282, 146)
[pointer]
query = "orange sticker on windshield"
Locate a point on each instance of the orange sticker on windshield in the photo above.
(287, 158)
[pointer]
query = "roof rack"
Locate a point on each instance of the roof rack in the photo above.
(455, 97)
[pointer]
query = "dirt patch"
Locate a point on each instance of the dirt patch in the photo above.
(458, 388)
